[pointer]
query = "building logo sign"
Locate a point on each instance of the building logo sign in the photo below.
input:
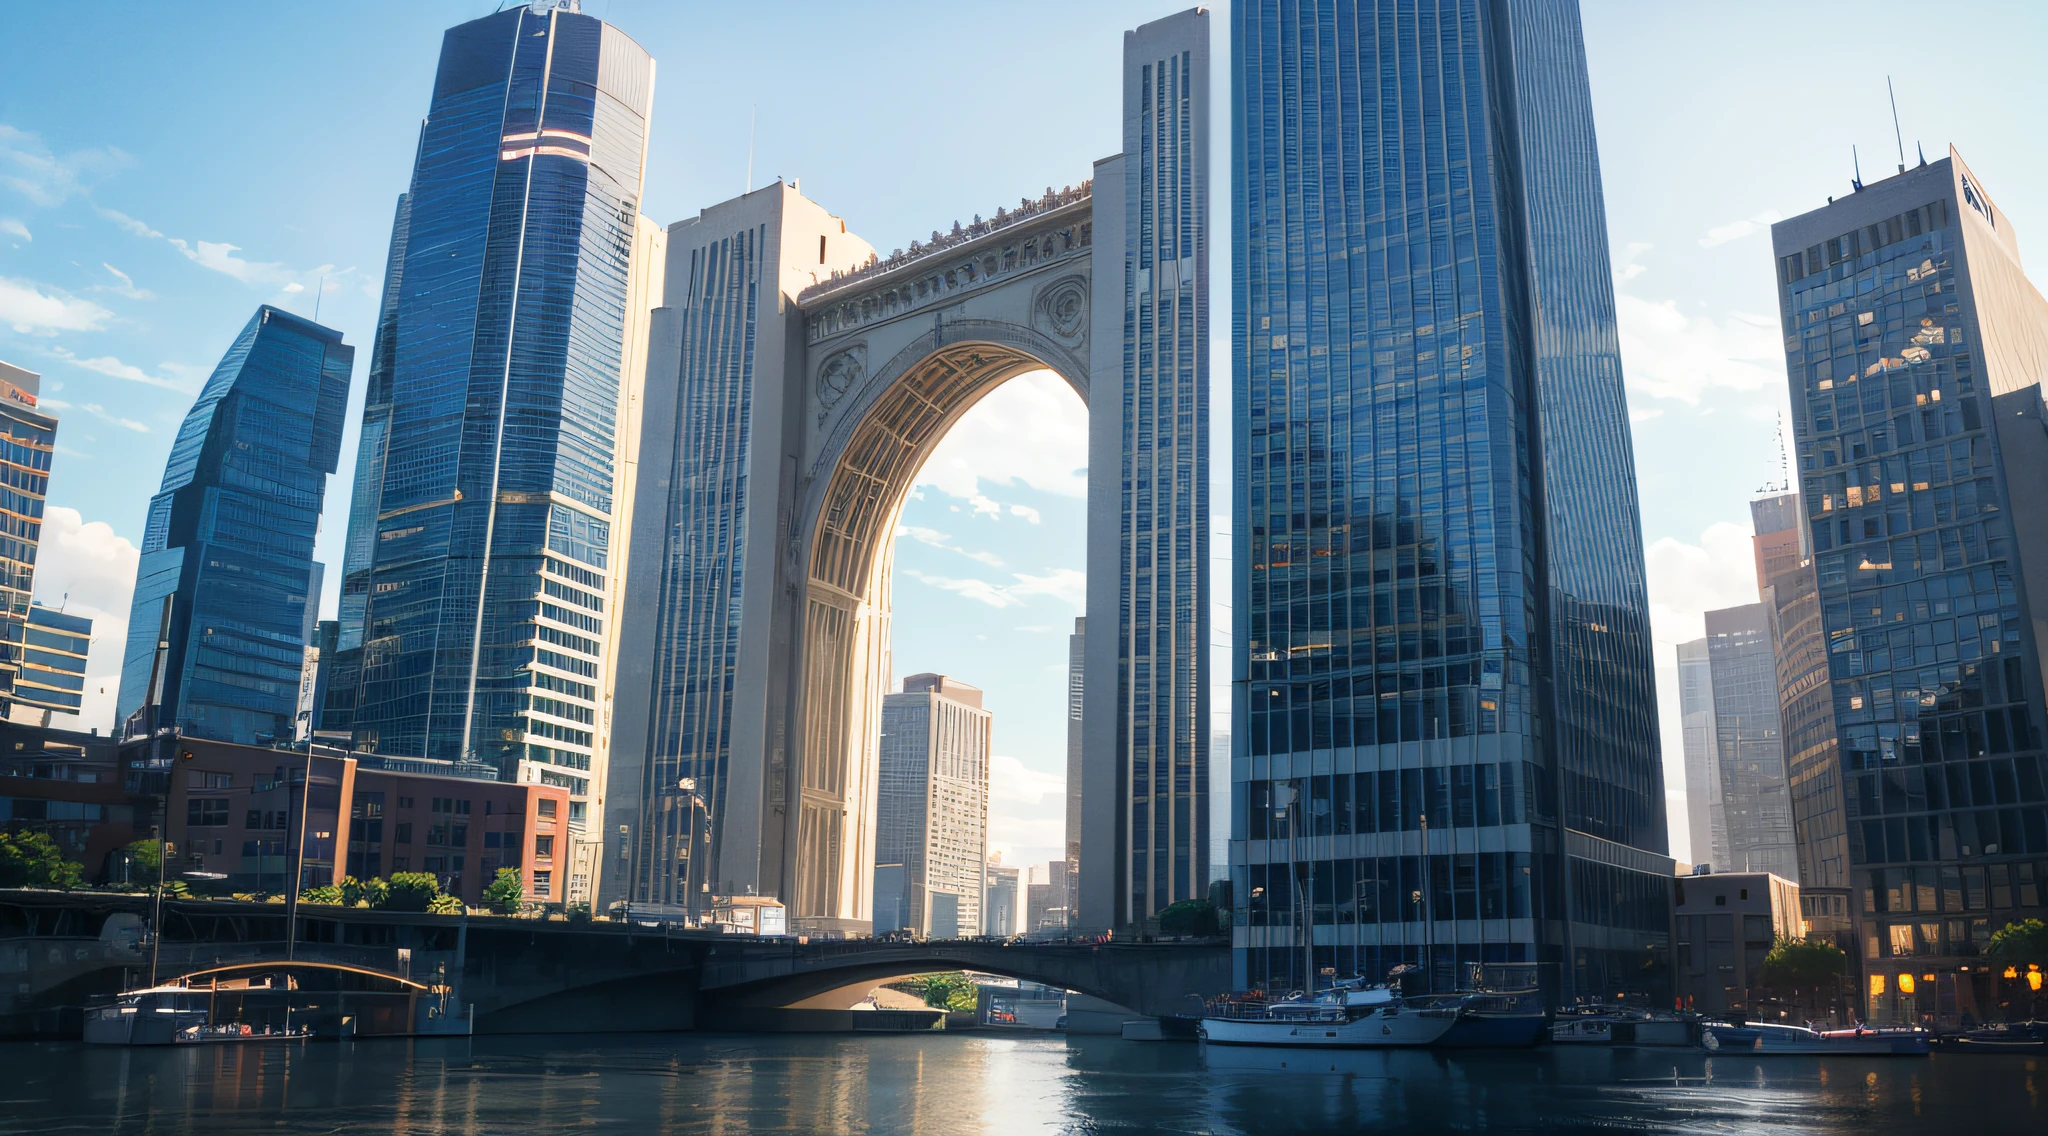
(1975, 198)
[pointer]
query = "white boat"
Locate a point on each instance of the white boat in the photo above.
(1770, 1038)
(1348, 1017)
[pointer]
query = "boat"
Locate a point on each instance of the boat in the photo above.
(1350, 1015)
(1495, 1019)
(1771, 1038)
(2013, 1037)
(154, 1015)
(1623, 1026)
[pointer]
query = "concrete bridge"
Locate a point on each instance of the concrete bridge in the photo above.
(57, 950)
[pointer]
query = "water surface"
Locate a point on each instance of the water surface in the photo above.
(943, 1084)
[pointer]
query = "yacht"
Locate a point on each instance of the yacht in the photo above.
(1350, 1015)
(1770, 1038)
(155, 1015)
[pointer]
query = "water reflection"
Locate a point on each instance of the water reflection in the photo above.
(937, 1085)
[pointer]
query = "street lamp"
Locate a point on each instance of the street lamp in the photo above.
(688, 786)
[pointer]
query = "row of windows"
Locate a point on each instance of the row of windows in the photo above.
(1393, 800)
(1952, 888)
(1945, 836)
(1392, 889)
(575, 596)
(574, 573)
(572, 618)
(570, 687)
(560, 709)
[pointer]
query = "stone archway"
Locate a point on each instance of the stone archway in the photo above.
(864, 475)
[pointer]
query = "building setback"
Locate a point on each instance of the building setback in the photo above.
(931, 815)
(1913, 347)
(30, 435)
(479, 583)
(1446, 738)
(227, 547)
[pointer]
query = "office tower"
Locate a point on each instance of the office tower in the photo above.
(228, 544)
(1706, 824)
(1912, 345)
(31, 437)
(481, 564)
(999, 902)
(1145, 797)
(1038, 904)
(1438, 597)
(931, 814)
(52, 674)
(1806, 711)
(1077, 666)
(1059, 877)
(1749, 748)
(314, 673)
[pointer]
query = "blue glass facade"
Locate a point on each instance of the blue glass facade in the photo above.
(1913, 344)
(474, 584)
(1446, 742)
(30, 436)
(229, 537)
(53, 660)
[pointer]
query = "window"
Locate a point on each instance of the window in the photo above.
(405, 802)
(1745, 893)
(543, 884)
(206, 813)
(491, 839)
(547, 807)
(543, 846)
(1720, 901)
(404, 834)
(458, 836)
(199, 780)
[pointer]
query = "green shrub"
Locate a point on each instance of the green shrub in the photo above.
(31, 859)
(505, 895)
(1190, 917)
(324, 893)
(411, 891)
(445, 905)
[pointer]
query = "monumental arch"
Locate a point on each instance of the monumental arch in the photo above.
(796, 383)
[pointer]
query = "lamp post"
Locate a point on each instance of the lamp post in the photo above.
(691, 888)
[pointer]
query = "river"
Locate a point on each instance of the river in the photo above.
(943, 1084)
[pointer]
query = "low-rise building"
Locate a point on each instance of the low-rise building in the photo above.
(248, 813)
(1727, 923)
(67, 785)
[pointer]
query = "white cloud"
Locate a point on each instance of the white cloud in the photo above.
(30, 168)
(1066, 584)
(1026, 512)
(127, 223)
(34, 309)
(1685, 582)
(1032, 430)
(1669, 354)
(1736, 230)
(127, 287)
(104, 415)
(1027, 812)
(985, 505)
(14, 228)
(937, 539)
(221, 258)
(97, 568)
(114, 368)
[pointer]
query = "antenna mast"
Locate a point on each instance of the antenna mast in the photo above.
(1896, 132)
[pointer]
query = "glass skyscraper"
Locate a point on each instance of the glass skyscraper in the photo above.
(1749, 743)
(480, 545)
(1913, 346)
(30, 434)
(1446, 740)
(229, 538)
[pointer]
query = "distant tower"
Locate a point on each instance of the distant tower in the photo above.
(229, 539)
(32, 438)
(931, 816)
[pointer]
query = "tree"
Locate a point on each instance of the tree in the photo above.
(1810, 970)
(32, 859)
(355, 892)
(145, 861)
(2023, 948)
(947, 991)
(1190, 917)
(506, 894)
(411, 891)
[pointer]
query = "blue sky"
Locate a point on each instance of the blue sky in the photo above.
(165, 168)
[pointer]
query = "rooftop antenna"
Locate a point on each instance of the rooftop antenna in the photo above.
(323, 291)
(1921, 150)
(752, 113)
(1896, 133)
(1857, 181)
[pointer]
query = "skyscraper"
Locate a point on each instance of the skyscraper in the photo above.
(1446, 741)
(1913, 345)
(1077, 663)
(478, 583)
(1706, 824)
(1145, 724)
(52, 675)
(229, 538)
(931, 816)
(31, 436)
(1749, 746)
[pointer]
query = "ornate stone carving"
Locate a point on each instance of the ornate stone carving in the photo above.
(1061, 309)
(841, 372)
